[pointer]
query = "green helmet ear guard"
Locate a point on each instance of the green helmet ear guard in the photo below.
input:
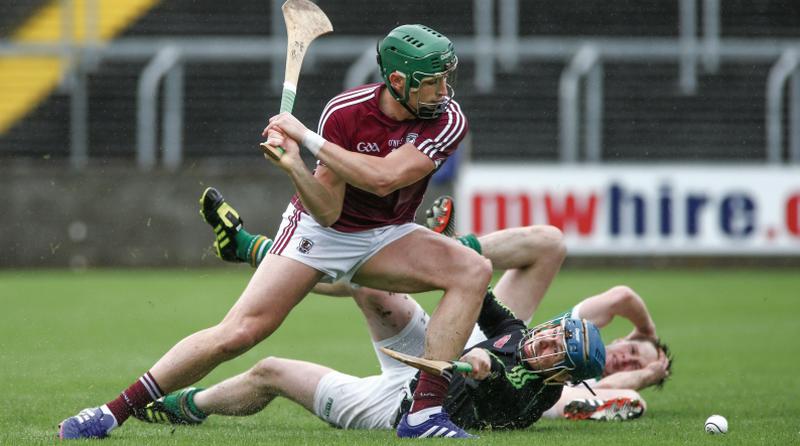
(416, 52)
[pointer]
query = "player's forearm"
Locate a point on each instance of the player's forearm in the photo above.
(632, 307)
(323, 205)
(618, 301)
(369, 173)
(634, 380)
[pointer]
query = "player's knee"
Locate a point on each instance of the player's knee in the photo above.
(235, 339)
(265, 373)
(236, 343)
(487, 270)
(547, 240)
(366, 295)
(477, 272)
(623, 292)
(373, 300)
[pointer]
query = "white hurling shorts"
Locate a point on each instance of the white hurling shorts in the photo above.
(350, 402)
(337, 254)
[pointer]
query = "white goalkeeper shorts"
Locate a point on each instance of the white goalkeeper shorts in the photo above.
(350, 402)
(337, 254)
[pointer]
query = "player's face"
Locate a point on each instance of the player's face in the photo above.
(544, 350)
(624, 355)
(432, 95)
(432, 89)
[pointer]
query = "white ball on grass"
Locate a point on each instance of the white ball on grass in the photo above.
(716, 424)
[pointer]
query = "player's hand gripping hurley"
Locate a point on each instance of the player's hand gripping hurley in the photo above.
(304, 23)
(431, 366)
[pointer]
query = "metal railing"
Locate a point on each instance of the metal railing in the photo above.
(166, 63)
(787, 68)
(585, 64)
(359, 49)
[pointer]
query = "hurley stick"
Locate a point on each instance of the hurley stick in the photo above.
(304, 23)
(431, 366)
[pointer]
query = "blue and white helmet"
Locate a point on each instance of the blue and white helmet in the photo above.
(565, 345)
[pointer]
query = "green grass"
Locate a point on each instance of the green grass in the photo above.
(72, 340)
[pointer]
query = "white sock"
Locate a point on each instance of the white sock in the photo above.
(422, 416)
(104, 408)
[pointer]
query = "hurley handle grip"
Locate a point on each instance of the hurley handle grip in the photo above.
(287, 99)
(287, 104)
(463, 367)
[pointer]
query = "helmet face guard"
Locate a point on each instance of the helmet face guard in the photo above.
(432, 110)
(565, 346)
(422, 56)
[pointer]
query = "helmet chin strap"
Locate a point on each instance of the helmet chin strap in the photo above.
(435, 109)
(557, 379)
(410, 110)
(415, 113)
(403, 101)
(588, 387)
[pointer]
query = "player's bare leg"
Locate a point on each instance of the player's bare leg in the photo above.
(531, 256)
(336, 289)
(253, 390)
(275, 288)
(387, 314)
(242, 395)
(422, 261)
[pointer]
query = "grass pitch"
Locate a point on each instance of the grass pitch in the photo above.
(72, 340)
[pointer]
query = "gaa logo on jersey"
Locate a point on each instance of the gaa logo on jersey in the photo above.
(305, 245)
(411, 137)
(368, 147)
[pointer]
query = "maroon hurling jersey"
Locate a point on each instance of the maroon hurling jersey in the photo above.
(354, 121)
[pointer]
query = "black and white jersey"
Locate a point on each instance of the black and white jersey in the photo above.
(512, 397)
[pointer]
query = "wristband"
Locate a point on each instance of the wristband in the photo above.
(313, 142)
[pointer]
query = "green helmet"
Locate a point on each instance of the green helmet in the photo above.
(418, 52)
